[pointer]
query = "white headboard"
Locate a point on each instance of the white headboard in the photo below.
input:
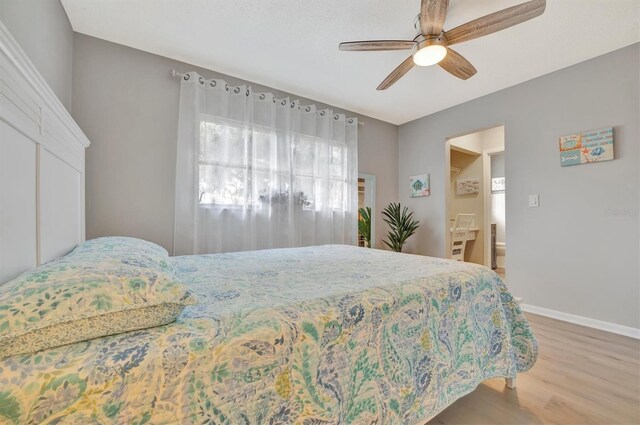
(41, 167)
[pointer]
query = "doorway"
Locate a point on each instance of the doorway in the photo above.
(367, 198)
(496, 190)
(475, 166)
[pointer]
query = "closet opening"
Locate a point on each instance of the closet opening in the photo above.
(367, 198)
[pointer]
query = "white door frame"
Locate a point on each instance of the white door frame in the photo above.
(370, 201)
(486, 170)
(447, 198)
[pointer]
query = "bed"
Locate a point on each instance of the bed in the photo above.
(319, 335)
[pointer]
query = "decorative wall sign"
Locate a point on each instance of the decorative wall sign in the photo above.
(497, 184)
(420, 185)
(587, 147)
(467, 186)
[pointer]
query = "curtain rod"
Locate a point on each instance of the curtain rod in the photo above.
(175, 73)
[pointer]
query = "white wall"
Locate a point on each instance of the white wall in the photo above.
(469, 143)
(579, 252)
(42, 29)
(493, 139)
(127, 104)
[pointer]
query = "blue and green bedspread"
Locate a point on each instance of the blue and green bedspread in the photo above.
(318, 335)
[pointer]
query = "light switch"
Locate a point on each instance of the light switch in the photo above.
(534, 201)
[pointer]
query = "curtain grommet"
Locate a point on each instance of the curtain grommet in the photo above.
(307, 109)
(262, 96)
(186, 77)
(213, 83)
(201, 80)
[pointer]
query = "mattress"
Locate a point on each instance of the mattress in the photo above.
(320, 335)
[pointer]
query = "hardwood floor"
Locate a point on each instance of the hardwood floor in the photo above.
(582, 376)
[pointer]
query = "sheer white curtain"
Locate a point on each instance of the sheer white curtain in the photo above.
(258, 172)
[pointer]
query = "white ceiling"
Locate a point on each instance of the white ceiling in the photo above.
(292, 45)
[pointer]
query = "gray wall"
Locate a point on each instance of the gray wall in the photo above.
(579, 251)
(497, 165)
(127, 105)
(43, 31)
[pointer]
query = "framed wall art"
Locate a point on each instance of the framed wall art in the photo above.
(420, 185)
(467, 186)
(587, 147)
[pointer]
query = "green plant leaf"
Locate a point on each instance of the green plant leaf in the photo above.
(401, 223)
(364, 225)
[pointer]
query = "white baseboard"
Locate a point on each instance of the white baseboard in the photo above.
(584, 321)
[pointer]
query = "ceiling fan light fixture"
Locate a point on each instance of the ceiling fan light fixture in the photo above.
(431, 45)
(430, 52)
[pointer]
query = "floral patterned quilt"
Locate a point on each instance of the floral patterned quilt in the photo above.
(318, 335)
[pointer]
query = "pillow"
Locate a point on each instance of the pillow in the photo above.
(130, 250)
(103, 287)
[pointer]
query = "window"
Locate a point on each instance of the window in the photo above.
(257, 167)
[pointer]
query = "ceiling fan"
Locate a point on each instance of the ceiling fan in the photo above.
(431, 46)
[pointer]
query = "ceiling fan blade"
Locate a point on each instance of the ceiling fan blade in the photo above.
(432, 16)
(496, 21)
(397, 73)
(363, 46)
(456, 64)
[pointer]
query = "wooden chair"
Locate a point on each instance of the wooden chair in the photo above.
(460, 235)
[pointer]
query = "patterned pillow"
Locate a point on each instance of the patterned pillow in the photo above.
(130, 250)
(103, 287)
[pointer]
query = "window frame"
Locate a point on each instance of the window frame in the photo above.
(254, 204)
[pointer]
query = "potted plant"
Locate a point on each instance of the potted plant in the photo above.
(364, 225)
(402, 225)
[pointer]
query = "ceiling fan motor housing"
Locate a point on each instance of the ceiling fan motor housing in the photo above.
(430, 40)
